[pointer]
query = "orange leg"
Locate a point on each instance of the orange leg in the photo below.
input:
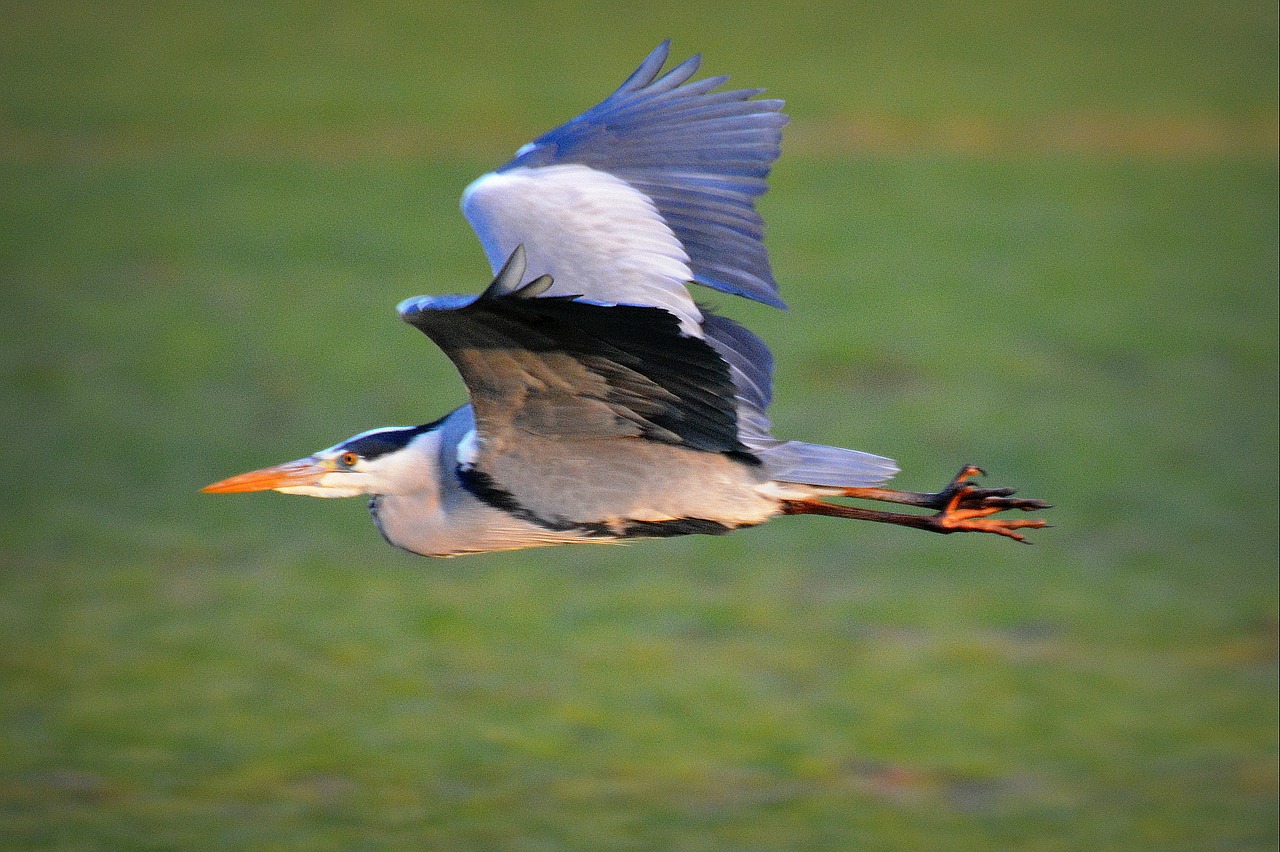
(961, 508)
(972, 497)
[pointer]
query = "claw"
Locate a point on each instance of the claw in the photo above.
(957, 483)
(972, 497)
(1023, 503)
(963, 513)
(959, 507)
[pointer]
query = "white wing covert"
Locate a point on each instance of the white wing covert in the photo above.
(650, 189)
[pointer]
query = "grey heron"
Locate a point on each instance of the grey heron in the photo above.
(605, 403)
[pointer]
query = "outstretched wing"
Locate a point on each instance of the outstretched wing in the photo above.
(561, 368)
(648, 190)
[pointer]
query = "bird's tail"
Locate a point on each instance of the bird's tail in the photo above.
(819, 465)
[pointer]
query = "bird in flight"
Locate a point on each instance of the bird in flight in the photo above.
(606, 404)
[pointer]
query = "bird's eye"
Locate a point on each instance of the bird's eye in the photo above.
(348, 459)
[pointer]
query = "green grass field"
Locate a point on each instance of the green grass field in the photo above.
(1039, 239)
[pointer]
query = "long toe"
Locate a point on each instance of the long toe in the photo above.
(998, 526)
(970, 511)
(1000, 501)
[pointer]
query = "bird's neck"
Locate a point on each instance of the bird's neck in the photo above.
(414, 469)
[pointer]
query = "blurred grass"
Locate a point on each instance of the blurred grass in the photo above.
(208, 213)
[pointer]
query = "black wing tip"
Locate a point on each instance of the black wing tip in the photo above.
(507, 283)
(508, 279)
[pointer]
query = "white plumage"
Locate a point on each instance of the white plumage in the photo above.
(593, 233)
(605, 403)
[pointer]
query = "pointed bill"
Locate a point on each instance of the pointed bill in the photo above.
(288, 475)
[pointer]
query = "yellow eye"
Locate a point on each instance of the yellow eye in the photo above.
(348, 459)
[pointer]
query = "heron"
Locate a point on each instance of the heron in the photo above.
(606, 404)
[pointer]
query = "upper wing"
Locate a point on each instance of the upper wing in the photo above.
(556, 367)
(648, 190)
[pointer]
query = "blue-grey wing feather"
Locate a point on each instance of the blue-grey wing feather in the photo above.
(701, 155)
(751, 368)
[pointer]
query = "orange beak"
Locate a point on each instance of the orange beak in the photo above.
(287, 475)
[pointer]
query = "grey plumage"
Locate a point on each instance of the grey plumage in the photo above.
(590, 421)
(605, 404)
(558, 367)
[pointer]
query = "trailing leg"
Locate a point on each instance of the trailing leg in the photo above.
(961, 508)
(972, 497)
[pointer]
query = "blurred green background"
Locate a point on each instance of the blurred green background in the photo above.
(1040, 237)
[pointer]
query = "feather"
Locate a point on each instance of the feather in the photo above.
(650, 189)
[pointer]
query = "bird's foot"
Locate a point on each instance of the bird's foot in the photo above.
(972, 497)
(961, 507)
(967, 508)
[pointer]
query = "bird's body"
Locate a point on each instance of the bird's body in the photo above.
(606, 404)
(574, 498)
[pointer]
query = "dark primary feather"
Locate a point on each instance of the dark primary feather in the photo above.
(750, 361)
(701, 156)
(560, 367)
(751, 367)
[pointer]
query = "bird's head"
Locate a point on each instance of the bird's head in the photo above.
(395, 459)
